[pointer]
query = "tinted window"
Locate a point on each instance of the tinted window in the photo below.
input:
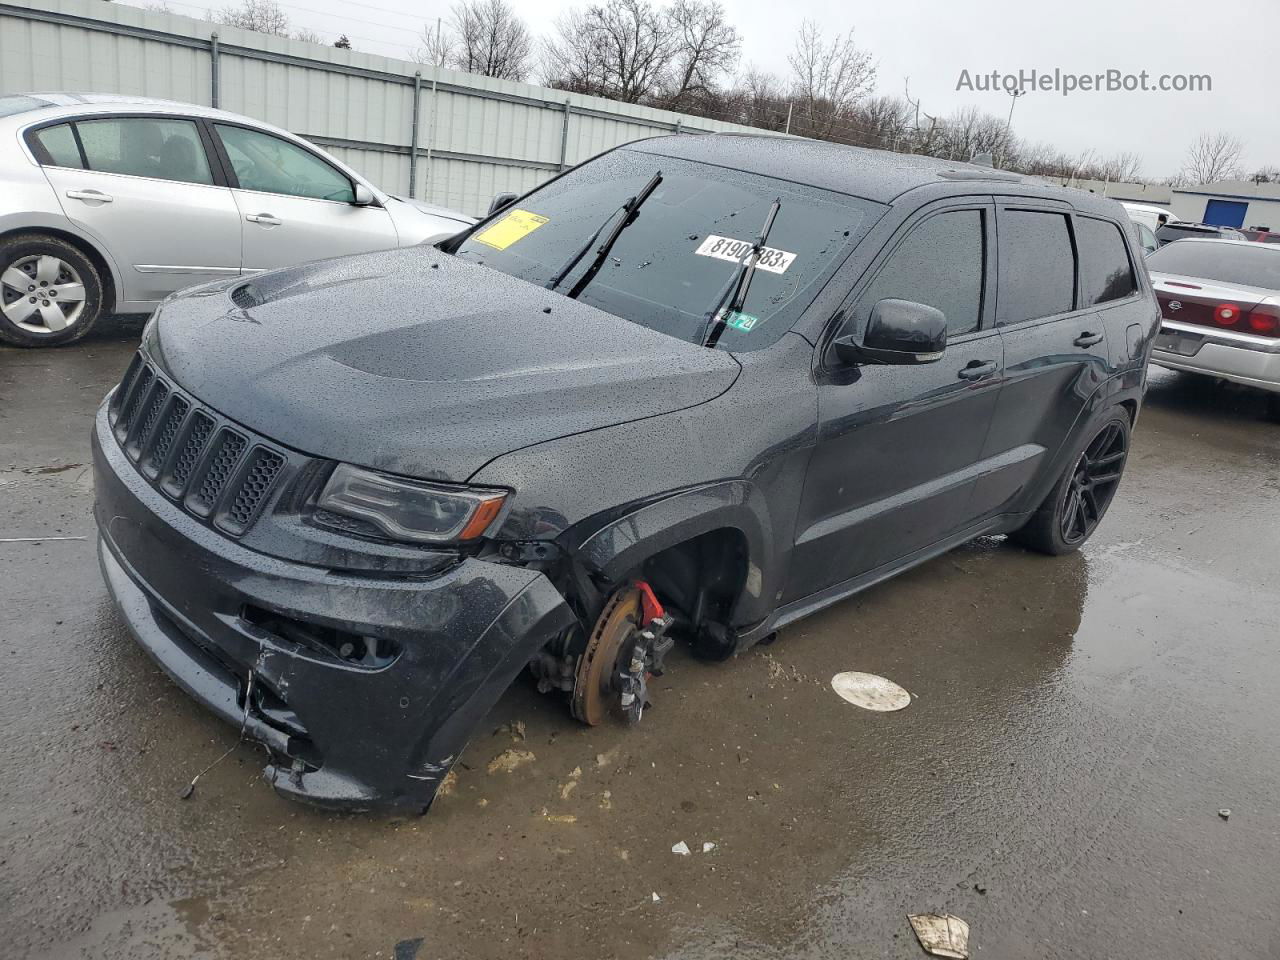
(59, 145)
(155, 147)
(1238, 263)
(1037, 266)
(670, 268)
(1149, 241)
(267, 163)
(1105, 271)
(1177, 231)
(939, 264)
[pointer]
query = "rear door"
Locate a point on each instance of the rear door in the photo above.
(898, 446)
(143, 186)
(1056, 348)
(294, 205)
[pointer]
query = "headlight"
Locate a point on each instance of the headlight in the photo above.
(413, 510)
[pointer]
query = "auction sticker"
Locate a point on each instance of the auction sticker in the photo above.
(736, 251)
(504, 232)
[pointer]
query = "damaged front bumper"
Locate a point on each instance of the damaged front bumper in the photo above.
(380, 734)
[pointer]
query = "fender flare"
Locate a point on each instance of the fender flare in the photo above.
(623, 543)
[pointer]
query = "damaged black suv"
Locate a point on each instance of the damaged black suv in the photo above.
(690, 391)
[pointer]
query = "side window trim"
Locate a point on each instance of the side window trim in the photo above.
(1008, 205)
(980, 203)
(234, 182)
(1134, 272)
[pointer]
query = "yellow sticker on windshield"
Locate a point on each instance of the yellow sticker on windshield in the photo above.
(503, 233)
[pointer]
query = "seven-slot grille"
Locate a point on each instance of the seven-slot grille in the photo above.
(218, 471)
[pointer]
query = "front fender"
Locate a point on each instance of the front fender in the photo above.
(610, 551)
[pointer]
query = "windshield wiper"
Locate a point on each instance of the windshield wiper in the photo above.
(630, 210)
(739, 282)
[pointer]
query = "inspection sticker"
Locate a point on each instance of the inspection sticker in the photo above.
(504, 232)
(736, 251)
(739, 321)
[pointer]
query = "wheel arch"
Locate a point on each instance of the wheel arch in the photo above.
(101, 262)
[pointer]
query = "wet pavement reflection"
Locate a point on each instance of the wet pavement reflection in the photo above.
(1076, 725)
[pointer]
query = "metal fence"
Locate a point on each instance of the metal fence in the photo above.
(451, 138)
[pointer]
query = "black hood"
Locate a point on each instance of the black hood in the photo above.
(417, 363)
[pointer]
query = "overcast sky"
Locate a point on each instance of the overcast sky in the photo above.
(932, 41)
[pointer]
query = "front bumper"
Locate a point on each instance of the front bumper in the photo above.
(1241, 358)
(340, 735)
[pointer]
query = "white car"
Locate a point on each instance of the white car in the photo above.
(109, 204)
(1148, 218)
(1220, 310)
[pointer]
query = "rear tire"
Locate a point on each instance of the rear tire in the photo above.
(1079, 500)
(50, 292)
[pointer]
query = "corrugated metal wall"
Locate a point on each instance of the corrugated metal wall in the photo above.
(477, 136)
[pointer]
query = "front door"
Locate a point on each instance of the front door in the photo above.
(294, 205)
(142, 186)
(899, 446)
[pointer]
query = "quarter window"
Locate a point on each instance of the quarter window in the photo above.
(1037, 275)
(1105, 271)
(939, 264)
(157, 147)
(267, 163)
(59, 146)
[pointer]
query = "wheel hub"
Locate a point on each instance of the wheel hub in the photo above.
(41, 294)
(622, 651)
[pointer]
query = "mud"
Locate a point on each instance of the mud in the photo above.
(1076, 724)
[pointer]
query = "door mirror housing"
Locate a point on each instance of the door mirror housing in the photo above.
(898, 332)
(501, 200)
(363, 196)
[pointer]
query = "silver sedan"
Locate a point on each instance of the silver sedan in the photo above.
(109, 204)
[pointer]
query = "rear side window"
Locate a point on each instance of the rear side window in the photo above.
(58, 145)
(157, 147)
(1105, 271)
(940, 264)
(267, 163)
(1037, 271)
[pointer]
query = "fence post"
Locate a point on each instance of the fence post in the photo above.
(564, 136)
(413, 133)
(214, 72)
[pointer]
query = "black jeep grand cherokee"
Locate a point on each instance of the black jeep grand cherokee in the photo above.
(694, 389)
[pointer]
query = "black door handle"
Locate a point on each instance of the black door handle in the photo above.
(977, 369)
(1087, 339)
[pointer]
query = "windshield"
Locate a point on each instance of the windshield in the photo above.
(668, 268)
(1234, 263)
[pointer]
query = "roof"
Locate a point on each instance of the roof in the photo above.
(69, 103)
(878, 175)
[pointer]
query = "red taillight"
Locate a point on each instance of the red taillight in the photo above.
(1226, 314)
(1264, 319)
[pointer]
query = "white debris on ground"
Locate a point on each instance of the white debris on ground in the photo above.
(942, 934)
(870, 692)
(708, 846)
(681, 848)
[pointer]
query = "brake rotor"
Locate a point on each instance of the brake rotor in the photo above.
(595, 688)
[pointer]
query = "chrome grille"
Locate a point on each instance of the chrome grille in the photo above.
(217, 471)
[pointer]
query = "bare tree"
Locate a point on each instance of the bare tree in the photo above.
(1266, 174)
(492, 40)
(308, 35)
(1121, 168)
(707, 46)
(262, 16)
(621, 49)
(439, 48)
(829, 77)
(1214, 156)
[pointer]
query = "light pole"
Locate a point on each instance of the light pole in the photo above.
(1014, 94)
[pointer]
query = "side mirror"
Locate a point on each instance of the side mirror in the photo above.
(898, 332)
(363, 196)
(500, 201)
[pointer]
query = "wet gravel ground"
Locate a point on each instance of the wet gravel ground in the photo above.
(1077, 725)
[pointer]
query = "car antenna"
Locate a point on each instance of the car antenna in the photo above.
(740, 282)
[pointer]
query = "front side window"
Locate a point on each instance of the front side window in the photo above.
(939, 264)
(1037, 270)
(677, 259)
(1105, 271)
(58, 144)
(1149, 242)
(160, 148)
(267, 163)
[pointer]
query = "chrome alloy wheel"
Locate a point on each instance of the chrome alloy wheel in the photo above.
(41, 294)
